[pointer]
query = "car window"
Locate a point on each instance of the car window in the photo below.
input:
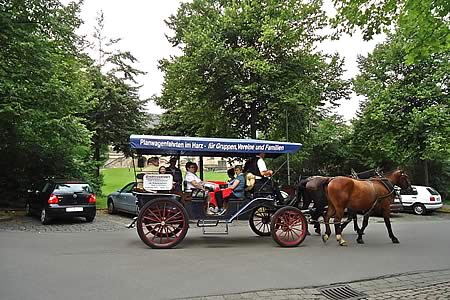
(73, 187)
(432, 191)
(411, 191)
(127, 188)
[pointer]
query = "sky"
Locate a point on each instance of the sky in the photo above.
(140, 25)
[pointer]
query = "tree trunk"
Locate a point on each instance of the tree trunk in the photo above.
(253, 117)
(425, 173)
(97, 156)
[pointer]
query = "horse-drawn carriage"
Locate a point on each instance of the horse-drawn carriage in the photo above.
(164, 216)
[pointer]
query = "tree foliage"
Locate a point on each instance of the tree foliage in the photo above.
(41, 93)
(406, 118)
(116, 111)
(244, 65)
(48, 88)
(426, 23)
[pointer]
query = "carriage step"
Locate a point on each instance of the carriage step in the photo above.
(208, 223)
(133, 223)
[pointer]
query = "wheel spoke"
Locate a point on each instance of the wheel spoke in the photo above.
(177, 214)
(157, 217)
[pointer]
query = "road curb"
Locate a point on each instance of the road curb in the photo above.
(5, 218)
(408, 285)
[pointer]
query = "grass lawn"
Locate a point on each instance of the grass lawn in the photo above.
(116, 178)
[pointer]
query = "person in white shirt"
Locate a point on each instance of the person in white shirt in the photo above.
(262, 166)
(191, 180)
(264, 182)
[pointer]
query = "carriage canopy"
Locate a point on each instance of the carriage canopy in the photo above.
(219, 147)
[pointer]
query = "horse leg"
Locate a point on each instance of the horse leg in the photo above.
(317, 224)
(318, 211)
(355, 221)
(351, 217)
(330, 211)
(359, 239)
(387, 222)
(337, 227)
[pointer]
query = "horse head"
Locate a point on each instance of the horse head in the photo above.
(400, 178)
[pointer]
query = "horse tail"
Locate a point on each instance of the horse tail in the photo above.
(301, 189)
(325, 185)
(322, 192)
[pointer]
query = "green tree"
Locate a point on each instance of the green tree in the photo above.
(326, 150)
(425, 22)
(42, 86)
(406, 118)
(116, 109)
(244, 64)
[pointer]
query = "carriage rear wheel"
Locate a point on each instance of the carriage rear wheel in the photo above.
(259, 220)
(288, 226)
(162, 223)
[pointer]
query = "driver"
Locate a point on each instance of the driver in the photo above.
(264, 182)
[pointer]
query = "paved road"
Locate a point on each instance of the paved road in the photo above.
(95, 260)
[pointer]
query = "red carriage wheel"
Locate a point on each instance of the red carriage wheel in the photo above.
(162, 223)
(288, 227)
(259, 220)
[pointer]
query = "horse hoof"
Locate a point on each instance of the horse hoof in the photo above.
(395, 241)
(325, 238)
(342, 243)
(360, 241)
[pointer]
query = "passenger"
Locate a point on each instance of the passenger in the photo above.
(152, 165)
(235, 189)
(162, 170)
(191, 180)
(230, 173)
(176, 174)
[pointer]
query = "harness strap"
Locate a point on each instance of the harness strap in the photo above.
(388, 185)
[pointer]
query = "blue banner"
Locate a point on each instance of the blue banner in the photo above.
(148, 144)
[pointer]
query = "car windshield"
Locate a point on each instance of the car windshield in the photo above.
(73, 187)
(432, 191)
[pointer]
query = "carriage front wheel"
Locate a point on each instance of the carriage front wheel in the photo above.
(288, 226)
(162, 223)
(259, 220)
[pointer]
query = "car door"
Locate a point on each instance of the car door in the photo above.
(409, 197)
(126, 200)
(36, 195)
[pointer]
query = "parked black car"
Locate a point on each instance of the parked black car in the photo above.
(61, 198)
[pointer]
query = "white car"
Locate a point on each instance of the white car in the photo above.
(420, 199)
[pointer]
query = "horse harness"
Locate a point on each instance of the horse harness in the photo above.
(388, 185)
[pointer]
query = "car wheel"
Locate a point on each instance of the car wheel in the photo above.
(27, 209)
(419, 209)
(111, 208)
(90, 218)
(45, 220)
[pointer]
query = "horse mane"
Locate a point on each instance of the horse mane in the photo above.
(394, 170)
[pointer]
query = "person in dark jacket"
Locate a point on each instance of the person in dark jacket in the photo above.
(176, 174)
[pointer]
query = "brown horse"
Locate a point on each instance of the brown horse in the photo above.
(362, 196)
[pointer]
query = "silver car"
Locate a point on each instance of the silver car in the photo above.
(123, 200)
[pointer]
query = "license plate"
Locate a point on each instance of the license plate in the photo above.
(71, 209)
